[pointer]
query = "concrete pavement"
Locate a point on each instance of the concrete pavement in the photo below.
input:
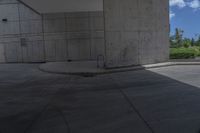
(159, 100)
(94, 67)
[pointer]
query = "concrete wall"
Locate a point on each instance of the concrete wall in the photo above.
(21, 37)
(31, 37)
(74, 36)
(137, 32)
(9, 32)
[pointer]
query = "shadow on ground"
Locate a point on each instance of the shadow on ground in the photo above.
(130, 102)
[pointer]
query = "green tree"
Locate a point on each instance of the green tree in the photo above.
(186, 42)
(173, 42)
(179, 37)
(192, 42)
(198, 41)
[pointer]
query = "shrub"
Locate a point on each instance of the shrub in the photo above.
(183, 53)
(186, 44)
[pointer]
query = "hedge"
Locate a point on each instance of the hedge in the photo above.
(184, 53)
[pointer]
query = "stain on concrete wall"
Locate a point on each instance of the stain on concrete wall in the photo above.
(136, 32)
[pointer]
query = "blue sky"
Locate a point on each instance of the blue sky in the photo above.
(185, 14)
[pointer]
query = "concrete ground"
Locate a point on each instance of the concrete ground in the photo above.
(94, 67)
(159, 100)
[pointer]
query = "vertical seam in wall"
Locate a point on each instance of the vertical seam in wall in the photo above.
(104, 30)
(67, 34)
(44, 44)
(20, 34)
(55, 47)
(120, 32)
(65, 38)
(139, 34)
(90, 33)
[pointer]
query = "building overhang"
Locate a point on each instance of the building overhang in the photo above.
(55, 6)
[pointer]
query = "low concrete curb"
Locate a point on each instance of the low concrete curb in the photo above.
(61, 68)
(169, 64)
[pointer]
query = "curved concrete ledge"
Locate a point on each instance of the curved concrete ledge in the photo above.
(89, 68)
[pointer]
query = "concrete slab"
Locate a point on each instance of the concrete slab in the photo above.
(91, 67)
(158, 100)
(76, 67)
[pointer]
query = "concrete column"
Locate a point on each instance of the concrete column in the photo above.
(136, 32)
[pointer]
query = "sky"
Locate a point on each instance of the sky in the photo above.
(185, 14)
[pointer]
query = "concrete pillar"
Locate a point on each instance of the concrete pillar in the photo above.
(136, 32)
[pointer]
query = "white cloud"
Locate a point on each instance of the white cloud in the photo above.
(179, 3)
(195, 4)
(172, 14)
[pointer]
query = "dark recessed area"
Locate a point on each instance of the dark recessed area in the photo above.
(4, 19)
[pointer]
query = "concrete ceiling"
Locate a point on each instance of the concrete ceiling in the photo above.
(52, 6)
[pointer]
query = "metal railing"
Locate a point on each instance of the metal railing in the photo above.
(100, 61)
